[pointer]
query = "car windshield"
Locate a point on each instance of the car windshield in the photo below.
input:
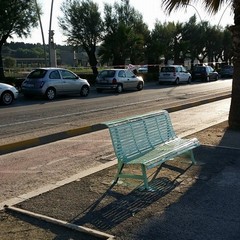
(38, 73)
(167, 69)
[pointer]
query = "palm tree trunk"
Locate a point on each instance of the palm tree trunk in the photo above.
(234, 114)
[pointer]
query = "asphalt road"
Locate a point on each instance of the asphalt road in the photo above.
(27, 119)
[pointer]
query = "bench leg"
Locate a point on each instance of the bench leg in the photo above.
(192, 157)
(144, 174)
(120, 168)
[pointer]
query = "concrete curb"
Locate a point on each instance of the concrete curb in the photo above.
(198, 102)
(62, 223)
(16, 146)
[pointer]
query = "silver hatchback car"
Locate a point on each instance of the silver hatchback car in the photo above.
(118, 80)
(50, 82)
(174, 74)
(7, 93)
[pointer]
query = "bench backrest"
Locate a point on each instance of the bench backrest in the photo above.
(137, 135)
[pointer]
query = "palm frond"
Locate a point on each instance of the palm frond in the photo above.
(211, 6)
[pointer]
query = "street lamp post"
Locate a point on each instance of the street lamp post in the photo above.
(40, 22)
(52, 52)
(223, 13)
(196, 11)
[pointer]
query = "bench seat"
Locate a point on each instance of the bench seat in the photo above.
(164, 152)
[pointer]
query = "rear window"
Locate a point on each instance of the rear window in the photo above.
(38, 73)
(167, 69)
(107, 73)
(228, 67)
(199, 69)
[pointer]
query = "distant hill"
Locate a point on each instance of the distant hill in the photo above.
(27, 53)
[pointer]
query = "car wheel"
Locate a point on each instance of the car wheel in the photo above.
(84, 91)
(208, 79)
(7, 98)
(189, 80)
(140, 86)
(177, 81)
(119, 88)
(50, 93)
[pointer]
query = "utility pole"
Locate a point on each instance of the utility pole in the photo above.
(40, 22)
(52, 50)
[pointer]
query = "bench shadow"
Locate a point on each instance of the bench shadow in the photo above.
(210, 203)
(105, 217)
(212, 160)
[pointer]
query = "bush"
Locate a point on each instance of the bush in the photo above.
(16, 82)
(149, 77)
(9, 62)
(89, 76)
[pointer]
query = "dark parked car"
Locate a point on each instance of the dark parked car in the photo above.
(226, 71)
(204, 73)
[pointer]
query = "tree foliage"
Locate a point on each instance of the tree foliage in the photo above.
(9, 62)
(125, 34)
(16, 17)
(214, 6)
(82, 25)
(160, 43)
(188, 41)
(124, 37)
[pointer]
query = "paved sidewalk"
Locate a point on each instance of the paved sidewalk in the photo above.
(190, 202)
(210, 208)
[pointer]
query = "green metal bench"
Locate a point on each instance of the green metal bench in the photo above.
(147, 140)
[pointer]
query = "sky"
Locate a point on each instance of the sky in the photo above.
(151, 11)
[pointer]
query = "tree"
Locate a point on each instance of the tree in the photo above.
(226, 47)
(191, 35)
(83, 26)
(125, 34)
(200, 41)
(161, 43)
(213, 6)
(16, 17)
